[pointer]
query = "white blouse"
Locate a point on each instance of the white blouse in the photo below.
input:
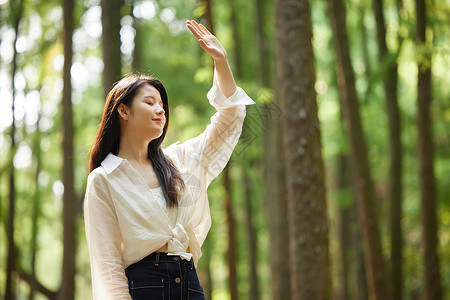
(124, 219)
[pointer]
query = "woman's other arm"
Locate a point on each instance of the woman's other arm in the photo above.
(104, 242)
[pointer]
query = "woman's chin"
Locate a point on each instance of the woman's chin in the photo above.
(155, 135)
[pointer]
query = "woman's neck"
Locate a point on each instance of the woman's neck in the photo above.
(133, 150)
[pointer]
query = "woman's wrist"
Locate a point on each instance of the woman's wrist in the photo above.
(221, 61)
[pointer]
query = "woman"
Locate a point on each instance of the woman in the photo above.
(146, 208)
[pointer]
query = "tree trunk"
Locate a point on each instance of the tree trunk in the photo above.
(231, 253)
(67, 290)
(274, 177)
(11, 255)
(307, 209)
(433, 289)
(111, 16)
(396, 162)
(208, 15)
(350, 236)
(362, 292)
(365, 37)
(365, 190)
(254, 291)
(137, 64)
(345, 226)
(205, 268)
(276, 205)
(262, 47)
(36, 202)
(236, 47)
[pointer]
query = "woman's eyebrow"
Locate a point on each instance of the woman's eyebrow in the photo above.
(149, 97)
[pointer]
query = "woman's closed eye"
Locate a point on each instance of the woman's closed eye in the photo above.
(153, 103)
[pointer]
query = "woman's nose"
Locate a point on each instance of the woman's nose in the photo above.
(160, 110)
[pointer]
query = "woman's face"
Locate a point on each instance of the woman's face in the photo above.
(146, 115)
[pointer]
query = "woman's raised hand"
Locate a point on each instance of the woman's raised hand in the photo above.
(207, 40)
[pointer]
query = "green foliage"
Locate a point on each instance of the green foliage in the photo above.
(168, 51)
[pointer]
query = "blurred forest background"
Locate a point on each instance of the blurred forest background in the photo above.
(357, 207)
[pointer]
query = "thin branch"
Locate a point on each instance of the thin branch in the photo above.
(35, 284)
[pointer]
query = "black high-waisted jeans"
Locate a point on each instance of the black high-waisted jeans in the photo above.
(162, 277)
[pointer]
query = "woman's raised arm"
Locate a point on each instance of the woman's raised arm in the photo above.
(215, 49)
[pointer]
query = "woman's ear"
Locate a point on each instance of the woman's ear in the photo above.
(124, 111)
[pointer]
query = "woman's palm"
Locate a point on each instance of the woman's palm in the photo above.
(207, 40)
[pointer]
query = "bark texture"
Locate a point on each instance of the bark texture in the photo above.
(111, 16)
(67, 290)
(433, 288)
(365, 191)
(307, 209)
(36, 202)
(251, 236)
(274, 176)
(276, 203)
(345, 226)
(231, 226)
(395, 175)
(262, 45)
(11, 256)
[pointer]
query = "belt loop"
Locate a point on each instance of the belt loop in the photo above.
(157, 259)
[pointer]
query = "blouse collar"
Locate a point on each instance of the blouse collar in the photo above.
(111, 162)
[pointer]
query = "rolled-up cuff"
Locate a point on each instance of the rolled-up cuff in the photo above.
(217, 98)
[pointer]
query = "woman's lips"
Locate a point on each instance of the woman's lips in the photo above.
(158, 120)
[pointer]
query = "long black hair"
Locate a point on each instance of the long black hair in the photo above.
(107, 139)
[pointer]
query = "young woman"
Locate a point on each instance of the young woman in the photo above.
(146, 209)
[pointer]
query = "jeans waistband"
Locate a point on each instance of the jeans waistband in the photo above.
(156, 257)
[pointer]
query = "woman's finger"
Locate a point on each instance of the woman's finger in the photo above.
(203, 44)
(205, 30)
(195, 31)
(195, 24)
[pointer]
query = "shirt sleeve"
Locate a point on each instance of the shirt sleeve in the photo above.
(209, 152)
(104, 242)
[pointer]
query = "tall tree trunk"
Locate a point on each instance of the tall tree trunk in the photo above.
(238, 67)
(345, 226)
(10, 294)
(350, 235)
(396, 162)
(362, 292)
(111, 42)
(205, 268)
(276, 205)
(274, 177)
(262, 47)
(307, 209)
(236, 48)
(365, 37)
(36, 202)
(137, 64)
(254, 291)
(67, 290)
(232, 247)
(11, 256)
(208, 15)
(365, 190)
(231, 252)
(433, 289)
